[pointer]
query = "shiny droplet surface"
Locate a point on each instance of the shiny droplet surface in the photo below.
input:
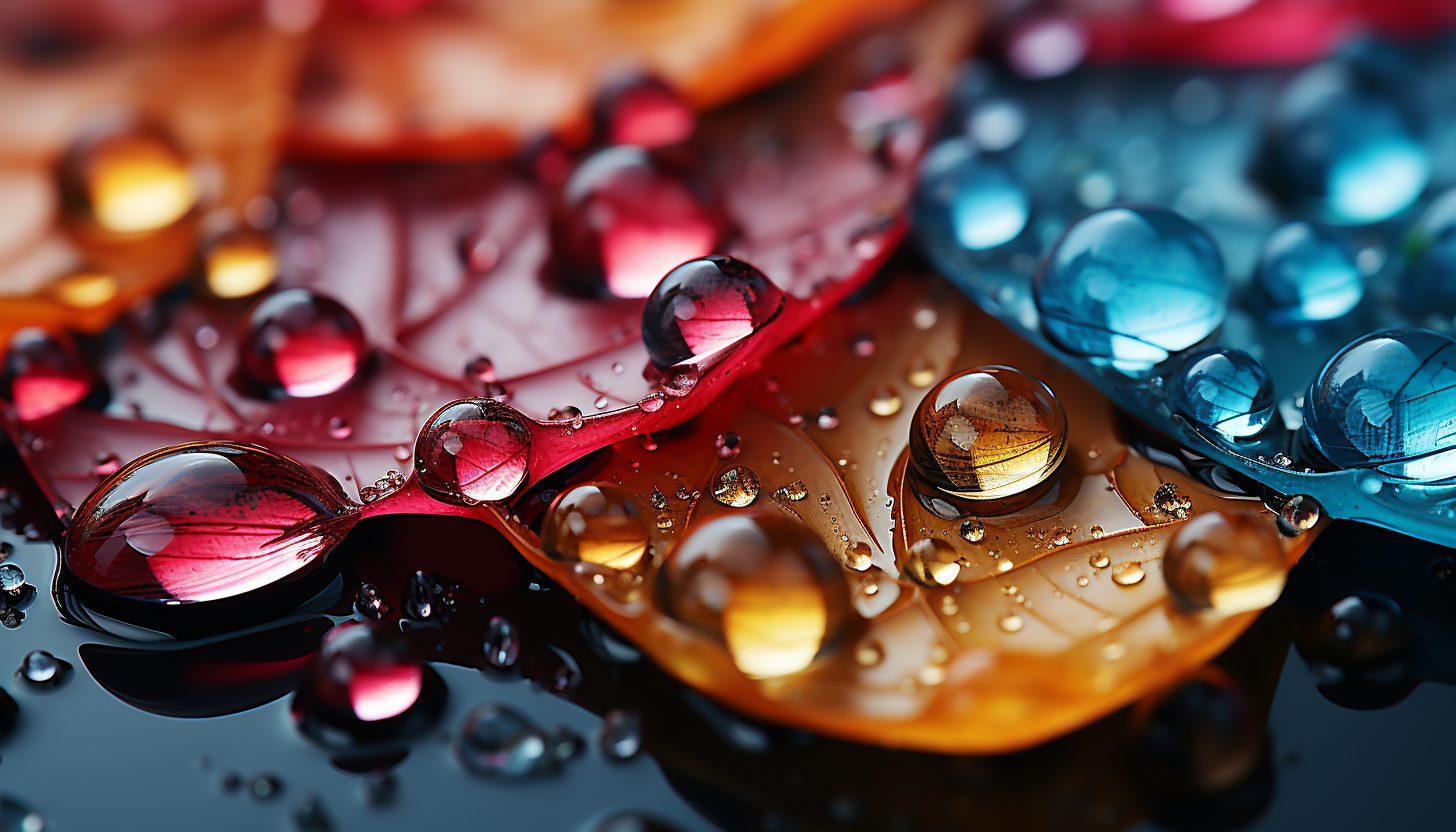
(973, 530)
(1388, 401)
(1224, 390)
(971, 195)
(1359, 650)
(1299, 514)
(12, 578)
(885, 401)
(498, 741)
(1128, 573)
(363, 673)
(705, 305)
(624, 219)
(1127, 286)
(598, 524)
(128, 181)
(301, 343)
(736, 487)
(473, 451)
(42, 669)
(369, 603)
(988, 432)
(502, 643)
(1308, 273)
(240, 263)
(203, 522)
(621, 736)
(43, 374)
(765, 584)
(932, 562)
(1227, 563)
(643, 110)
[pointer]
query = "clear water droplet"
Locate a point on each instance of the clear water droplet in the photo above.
(128, 180)
(1299, 514)
(973, 530)
(1224, 390)
(736, 487)
(599, 524)
(621, 736)
(423, 597)
(364, 673)
(1227, 563)
(1128, 573)
(43, 374)
(302, 343)
(41, 668)
(705, 305)
(499, 741)
(502, 643)
(1010, 623)
(12, 578)
(885, 401)
(473, 450)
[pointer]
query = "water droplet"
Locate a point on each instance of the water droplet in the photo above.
(12, 579)
(973, 530)
(17, 817)
(621, 736)
(1361, 630)
(970, 197)
(1128, 573)
(862, 345)
(642, 110)
(1298, 515)
(1224, 390)
(624, 219)
(705, 305)
(1386, 401)
(423, 597)
(1083, 580)
(1099, 560)
(1228, 563)
(932, 562)
(265, 787)
(793, 492)
(869, 654)
(601, 402)
(43, 374)
(765, 584)
(728, 445)
(366, 687)
(736, 487)
(1345, 137)
(240, 263)
(499, 741)
(502, 643)
(885, 401)
(651, 403)
(42, 669)
(368, 603)
(1096, 532)
(1167, 500)
(128, 181)
(203, 522)
(988, 432)
(1127, 286)
(828, 418)
(1010, 623)
(302, 343)
(473, 450)
(1308, 274)
(598, 524)
(920, 373)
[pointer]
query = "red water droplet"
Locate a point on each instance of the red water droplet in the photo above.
(644, 111)
(367, 671)
(624, 220)
(43, 374)
(204, 522)
(472, 451)
(301, 342)
(705, 305)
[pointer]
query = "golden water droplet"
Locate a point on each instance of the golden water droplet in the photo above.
(793, 492)
(85, 289)
(240, 263)
(988, 432)
(1083, 580)
(1128, 573)
(1009, 589)
(1228, 563)
(932, 675)
(932, 562)
(1099, 560)
(920, 373)
(130, 182)
(973, 530)
(664, 522)
(766, 585)
(869, 654)
(598, 524)
(1005, 565)
(737, 487)
(1010, 623)
(1167, 500)
(884, 401)
(1096, 532)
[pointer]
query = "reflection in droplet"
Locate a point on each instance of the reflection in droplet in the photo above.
(1128, 573)
(499, 741)
(932, 562)
(884, 401)
(1224, 562)
(705, 305)
(43, 374)
(1299, 514)
(128, 181)
(971, 195)
(973, 530)
(473, 450)
(302, 343)
(43, 669)
(1308, 274)
(502, 643)
(598, 524)
(736, 487)
(1010, 623)
(1224, 390)
(621, 736)
(240, 263)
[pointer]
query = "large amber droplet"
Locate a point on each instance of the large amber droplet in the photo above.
(598, 524)
(765, 584)
(988, 432)
(240, 263)
(1228, 563)
(129, 181)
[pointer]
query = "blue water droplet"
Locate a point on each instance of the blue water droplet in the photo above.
(1388, 401)
(1309, 274)
(1345, 137)
(970, 196)
(1225, 390)
(1128, 285)
(1431, 258)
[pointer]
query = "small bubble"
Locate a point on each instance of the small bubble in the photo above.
(924, 318)
(973, 530)
(1010, 623)
(728, 445)
(265, 787)
(1082, 580)
(920, 373)
(828, 418)
(1128, 573)
(736, 487)
(339, 429)
(1298, 515)
(601, 402)
(12, 578)
(1005, 565)
(1096, 532)
(621, 737)
(858, 557)
(884, 401)
(793, 492)
(868, 654)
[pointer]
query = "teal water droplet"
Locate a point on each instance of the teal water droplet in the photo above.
(1224, 390)
(970, 194)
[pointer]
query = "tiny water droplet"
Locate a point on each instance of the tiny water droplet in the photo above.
(828, 418)
(473, 450)
(736, 487)
(368, 603)
(1298, 515)
(705, 305)
(858, 556)
(793, 492)
(1098, 560)
(1096, 532)
(41, 668)
(1010, 623)
(869, 654)
(973, 530)
(932, 562)
(885, 401)
(502, 644)
(599, 524)
(621, 736)
(1128, 573)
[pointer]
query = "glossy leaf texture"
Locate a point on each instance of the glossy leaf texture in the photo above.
(1058, 613)
(445, 266)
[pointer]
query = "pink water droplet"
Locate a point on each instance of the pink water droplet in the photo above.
(302, 343)
(642, 110)
(43, 374)
(473, 450)
(705, 305)
(366, 670)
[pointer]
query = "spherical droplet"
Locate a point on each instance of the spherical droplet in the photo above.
(363, 673)
(12, 578)
(705, 305)
(369, 603)
(1359, 651)
(766, 585)
(1308, 274)
(43, 374)
(1345, 138)
(1388, 401)
(1128, 573)
(598, 524)
(302, 343)
(42, 669)
(1098, 560)
(473, 451)
(502, 643)
(203, 522)
(1126, 286)
(988, 432)
(1227, 563)
(624, 220)
(1010, 623)
(932, 562)
(1224, 390)
(973, 530)
(621, 736)
(128, 181)
(970, 196)
(240, 263)
(499, 741)
(885, 401)
(737, 487)
(1299, 514)
(643, 110)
